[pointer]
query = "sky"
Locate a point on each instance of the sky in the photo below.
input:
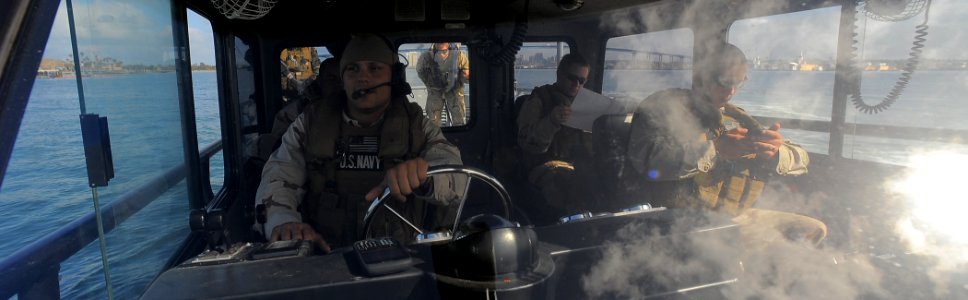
(131, 31)
(814, 33)
(200, 39)
(140, 32)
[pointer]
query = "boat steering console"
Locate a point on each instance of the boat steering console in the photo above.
(484, 256)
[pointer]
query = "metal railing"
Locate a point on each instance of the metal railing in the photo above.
(33, 270)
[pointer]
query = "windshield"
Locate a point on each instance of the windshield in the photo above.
(885, 190)
(703, 149)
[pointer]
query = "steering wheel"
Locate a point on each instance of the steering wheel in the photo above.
(472, 173)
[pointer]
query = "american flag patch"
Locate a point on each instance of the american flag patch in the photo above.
(364, 144)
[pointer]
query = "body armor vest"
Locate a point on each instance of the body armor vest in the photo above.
(569, 144)
(732, 186)
(344, 162)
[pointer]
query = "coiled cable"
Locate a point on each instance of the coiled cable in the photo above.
(906, 71)
(510, 50)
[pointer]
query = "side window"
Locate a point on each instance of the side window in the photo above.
(439, 74)
(123, 76)
(536, 64)
(638, 65)
(792, 59)
(245, 83)
(930, 109)
(205, 84)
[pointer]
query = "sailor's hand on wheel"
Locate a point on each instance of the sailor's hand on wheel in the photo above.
(299, 231)
(402, 180)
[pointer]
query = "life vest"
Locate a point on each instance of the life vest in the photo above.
(344, 162)
(732, 186)
(663, 109)
(569, 144)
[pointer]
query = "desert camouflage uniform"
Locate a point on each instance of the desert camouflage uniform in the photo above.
(448, 89)
(671, 147)
(553, 152)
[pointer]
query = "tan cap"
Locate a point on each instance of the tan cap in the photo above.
(367, 47)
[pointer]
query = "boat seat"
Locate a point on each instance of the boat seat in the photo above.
(509, 169)
(610, 136)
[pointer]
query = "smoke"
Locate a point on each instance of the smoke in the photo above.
(642, 262)
(934, 223)
(644, 255)
(905, 241)
(790, 270)
(903, 238)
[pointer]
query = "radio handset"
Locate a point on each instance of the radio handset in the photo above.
(381, 256)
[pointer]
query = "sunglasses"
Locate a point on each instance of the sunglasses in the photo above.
(576, 78)
(731, 83)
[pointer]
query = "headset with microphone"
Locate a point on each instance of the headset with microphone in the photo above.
(362, 92)
(398, 77)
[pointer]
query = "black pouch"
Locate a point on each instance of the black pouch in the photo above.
(327, 214)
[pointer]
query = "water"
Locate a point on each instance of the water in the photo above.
(933, 99)
(45, 185)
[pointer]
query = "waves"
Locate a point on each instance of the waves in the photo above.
(46, 188)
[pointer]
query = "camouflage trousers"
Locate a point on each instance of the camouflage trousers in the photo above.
(455, 106)
(761, 227)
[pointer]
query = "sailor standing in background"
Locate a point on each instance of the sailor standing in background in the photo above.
(444, 70)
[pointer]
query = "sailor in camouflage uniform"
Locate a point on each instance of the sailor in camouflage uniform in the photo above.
(445, 70)
(695, 149)
(554, 153)
(341, 152)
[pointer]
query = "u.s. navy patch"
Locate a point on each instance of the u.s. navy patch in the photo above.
(360, 153)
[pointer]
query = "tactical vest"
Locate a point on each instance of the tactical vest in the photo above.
(732, 186)
(672, 193)
(344, 162)
(569, 144)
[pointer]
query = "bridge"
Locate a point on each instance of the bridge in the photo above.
(639, 59)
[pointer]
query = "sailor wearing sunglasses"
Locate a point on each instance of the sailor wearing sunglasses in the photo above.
(552, 151)
(693, 148)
